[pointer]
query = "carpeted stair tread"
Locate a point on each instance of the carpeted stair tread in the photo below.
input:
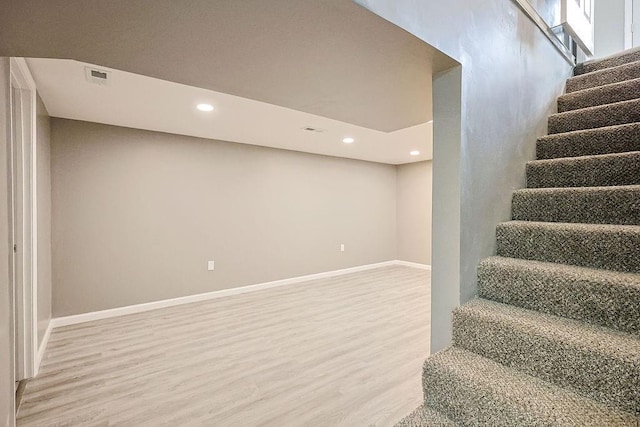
(606, 298)
(567, 352)
(475, 391)
(589, 142)
(625, 57)
(601, 95)
(592, 205)
(607, 76)
(596, 117)
(603, 246)
(423, 416)
(587, 171)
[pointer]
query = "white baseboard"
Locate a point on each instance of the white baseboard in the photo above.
(139, 308)
(43, 347)
(413, 264)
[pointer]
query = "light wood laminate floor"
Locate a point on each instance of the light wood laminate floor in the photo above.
(344, 351)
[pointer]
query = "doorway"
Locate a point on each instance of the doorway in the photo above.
(631, 24)
(23, 220)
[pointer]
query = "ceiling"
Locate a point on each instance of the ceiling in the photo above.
(142, 102)
(330, 58)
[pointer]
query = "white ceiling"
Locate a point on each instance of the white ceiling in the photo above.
(142, 102)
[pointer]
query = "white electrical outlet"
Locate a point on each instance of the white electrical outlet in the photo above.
(211, 266)
(342, 247)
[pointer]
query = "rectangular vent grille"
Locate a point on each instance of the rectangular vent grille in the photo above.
(313, 129)
(98, 74)
(99, 77)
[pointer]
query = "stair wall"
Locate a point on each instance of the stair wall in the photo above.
(554, 337)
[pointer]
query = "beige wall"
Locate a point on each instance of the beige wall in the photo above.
(262, 214)
(414, 212)
(43, 185)
(6, 340)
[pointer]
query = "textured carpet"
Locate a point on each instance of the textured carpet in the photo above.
(585, 171)
(593, 205)
(425, 416)
(609, 247)
(554, 337)
(607, 76)
(601, 297)
(631, 55)
(569, 353)
(595, 117)
(472, 390)
(590, 142)
(608, 94)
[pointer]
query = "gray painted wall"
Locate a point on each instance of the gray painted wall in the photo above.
(509, 80)
(414, 212)
(549, 10)
(609, 27)
(43, 185)
(6, 338)
(262, 214)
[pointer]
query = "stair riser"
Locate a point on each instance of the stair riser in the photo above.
(619, 206)
(604, 77)
(425, 416)
(618, 139)
(596, 117)
(475, 391)
(606, 301)
(598, 248)
(581, 369)
(603, 171)
(459, 401)
(600, 96)
(615, 61)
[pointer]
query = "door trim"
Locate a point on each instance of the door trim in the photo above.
(26, 309)
(628, 24)
(577, 19)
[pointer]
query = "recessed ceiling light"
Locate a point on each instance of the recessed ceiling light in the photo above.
(415, 153)
(348, 140)
(205, 107)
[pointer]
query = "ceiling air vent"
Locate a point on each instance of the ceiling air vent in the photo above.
(313, 129)
(96, 76)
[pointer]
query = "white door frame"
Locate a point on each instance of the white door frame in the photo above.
(628, 24)
(577, 18)
(23, 179)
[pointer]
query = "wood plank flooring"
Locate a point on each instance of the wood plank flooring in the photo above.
(341, 351)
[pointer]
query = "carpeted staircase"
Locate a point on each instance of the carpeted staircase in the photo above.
(554, 337)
